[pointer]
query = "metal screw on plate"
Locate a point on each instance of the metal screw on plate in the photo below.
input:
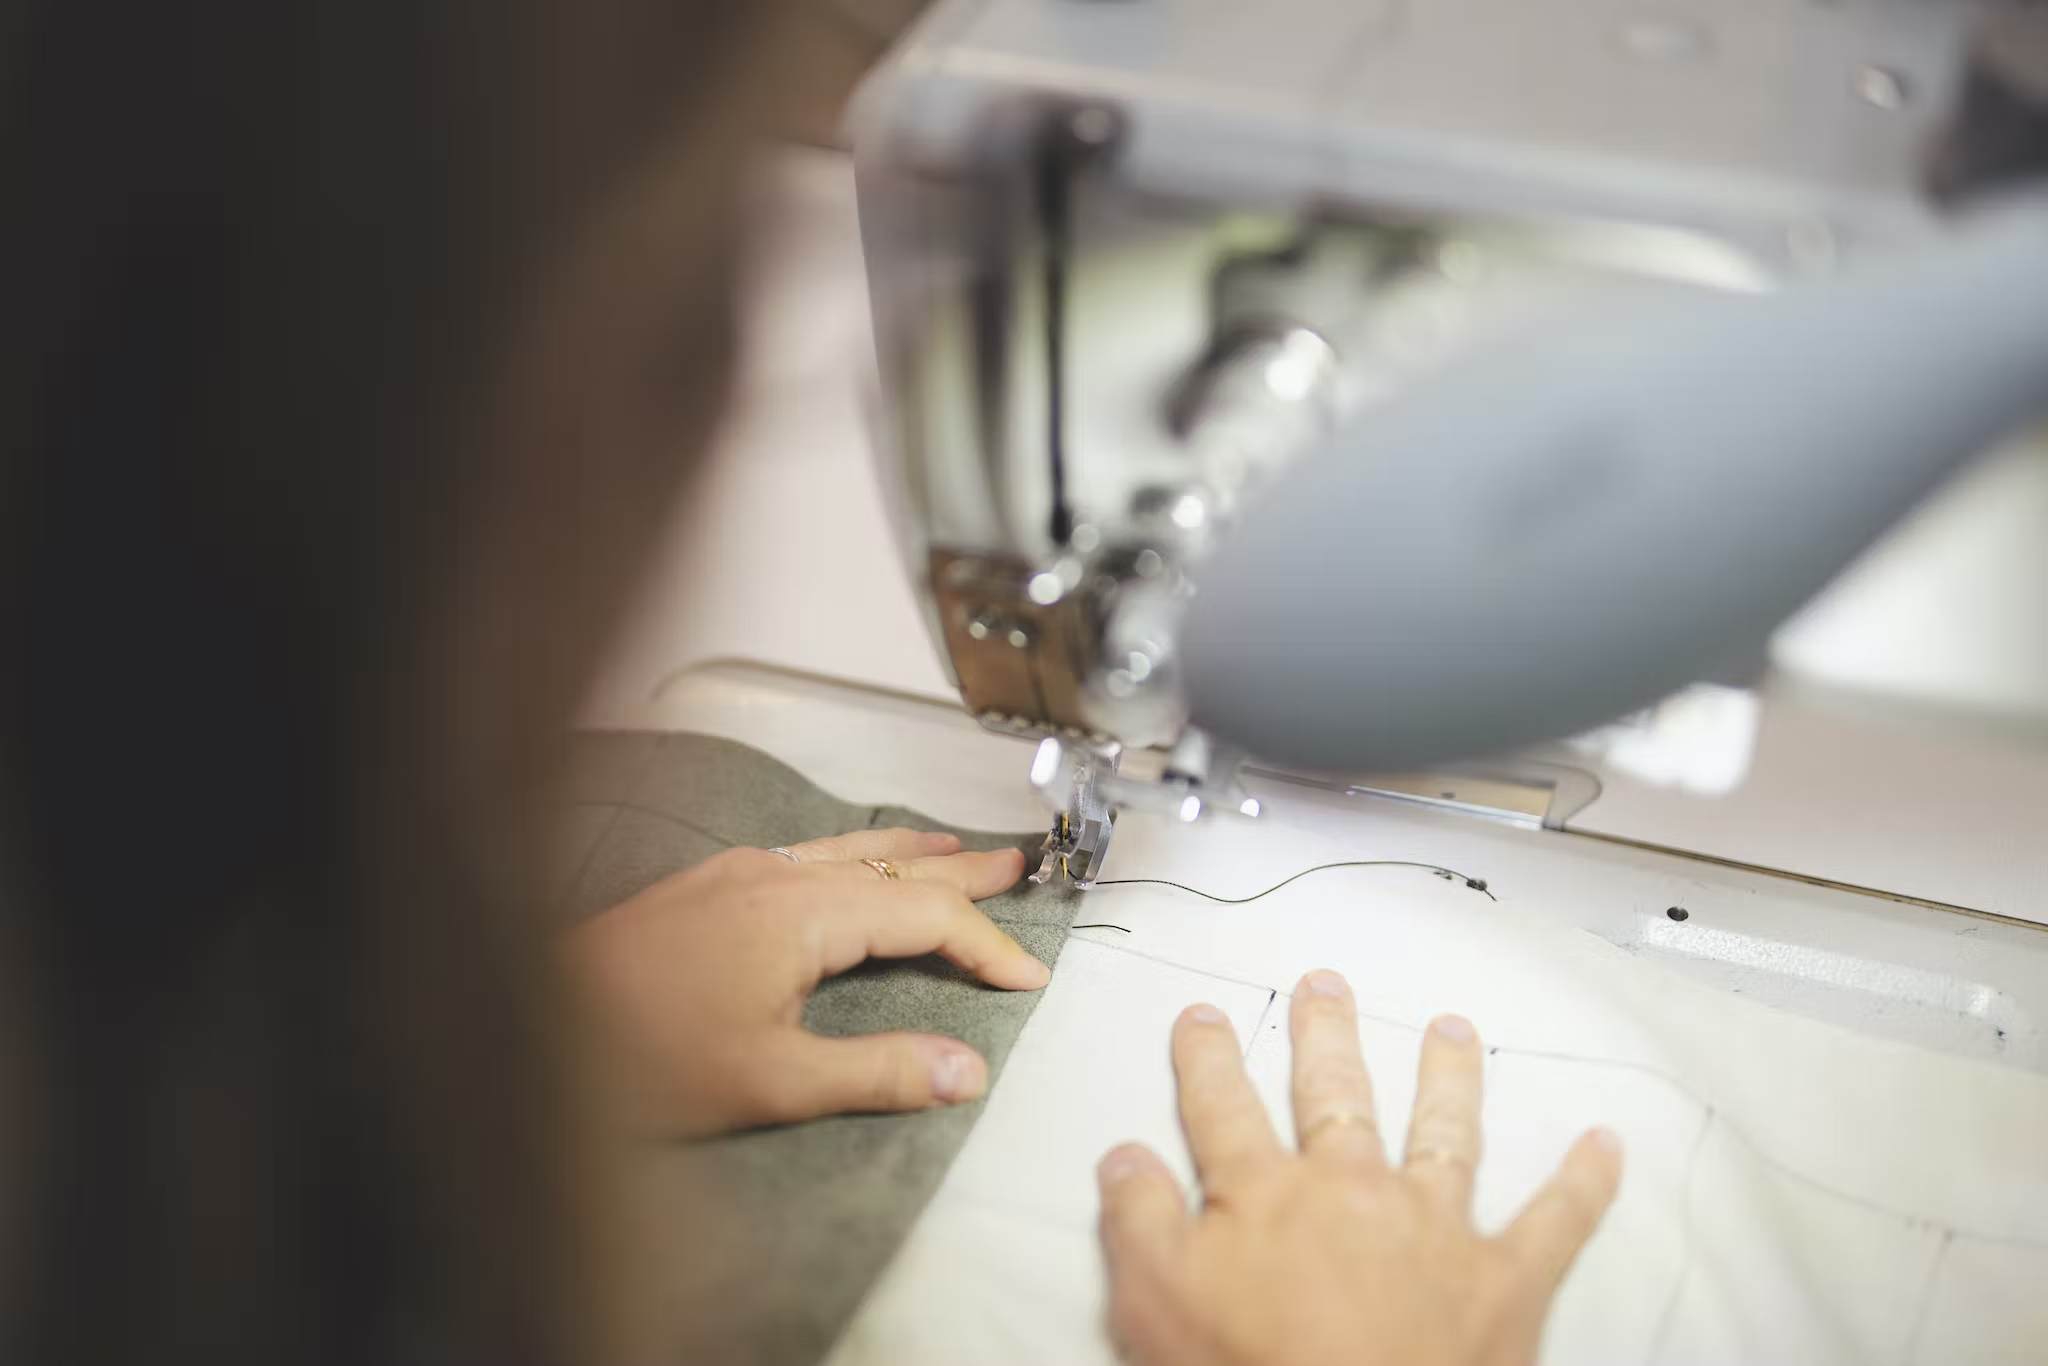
(1679, 913)
(1878, 86)
(1093, 125)
(1019, 638)
(1461, 263)
(982, 627)
(1812, 243)
(1662, 38)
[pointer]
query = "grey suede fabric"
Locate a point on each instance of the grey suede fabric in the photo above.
(815, 1210)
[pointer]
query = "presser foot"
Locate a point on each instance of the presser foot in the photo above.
(1071, 782)
(1075, 848)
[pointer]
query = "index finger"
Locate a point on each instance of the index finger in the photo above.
(888, 844)
(976, 873)
(888, 919)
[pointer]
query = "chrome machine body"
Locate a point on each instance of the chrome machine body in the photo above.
(1130, 259)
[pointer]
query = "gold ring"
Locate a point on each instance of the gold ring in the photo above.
(1335, 1119)
(1435, 1154)
(884, 867)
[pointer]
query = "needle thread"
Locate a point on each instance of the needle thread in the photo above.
(1475, 883)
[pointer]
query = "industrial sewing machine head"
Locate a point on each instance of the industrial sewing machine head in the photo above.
(1132, 261)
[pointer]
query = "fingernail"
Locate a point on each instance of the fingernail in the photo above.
(957, 1075)
(1037, 975)
(1606, 1140)
(939, 844)
(1323, 982)
(1207, 1014)
(1121, 1165)
(1454, 1028)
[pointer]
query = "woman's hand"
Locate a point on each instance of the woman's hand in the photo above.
(1332, 1255)
(701, 979)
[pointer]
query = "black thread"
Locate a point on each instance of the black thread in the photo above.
(1099, 926)
(1476, 884)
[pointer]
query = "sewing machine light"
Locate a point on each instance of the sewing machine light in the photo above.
(1191, 808)
(1045, 589)
(1249, 807)
(1294, 372)
(1045, 764)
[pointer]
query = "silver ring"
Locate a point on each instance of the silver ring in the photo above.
(778, 849)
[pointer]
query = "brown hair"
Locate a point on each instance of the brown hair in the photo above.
(356, 350)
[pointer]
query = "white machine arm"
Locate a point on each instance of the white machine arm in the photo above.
(1576, 523)
(1195, 308)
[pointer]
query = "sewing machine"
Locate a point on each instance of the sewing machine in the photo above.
(1490, 368)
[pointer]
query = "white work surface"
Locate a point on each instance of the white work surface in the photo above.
(1796, 1192)
(784, 557)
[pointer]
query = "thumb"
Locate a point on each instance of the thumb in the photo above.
(811, 1076)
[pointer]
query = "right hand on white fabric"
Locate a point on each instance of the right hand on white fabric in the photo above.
(700, 980)
(1331, 1255)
